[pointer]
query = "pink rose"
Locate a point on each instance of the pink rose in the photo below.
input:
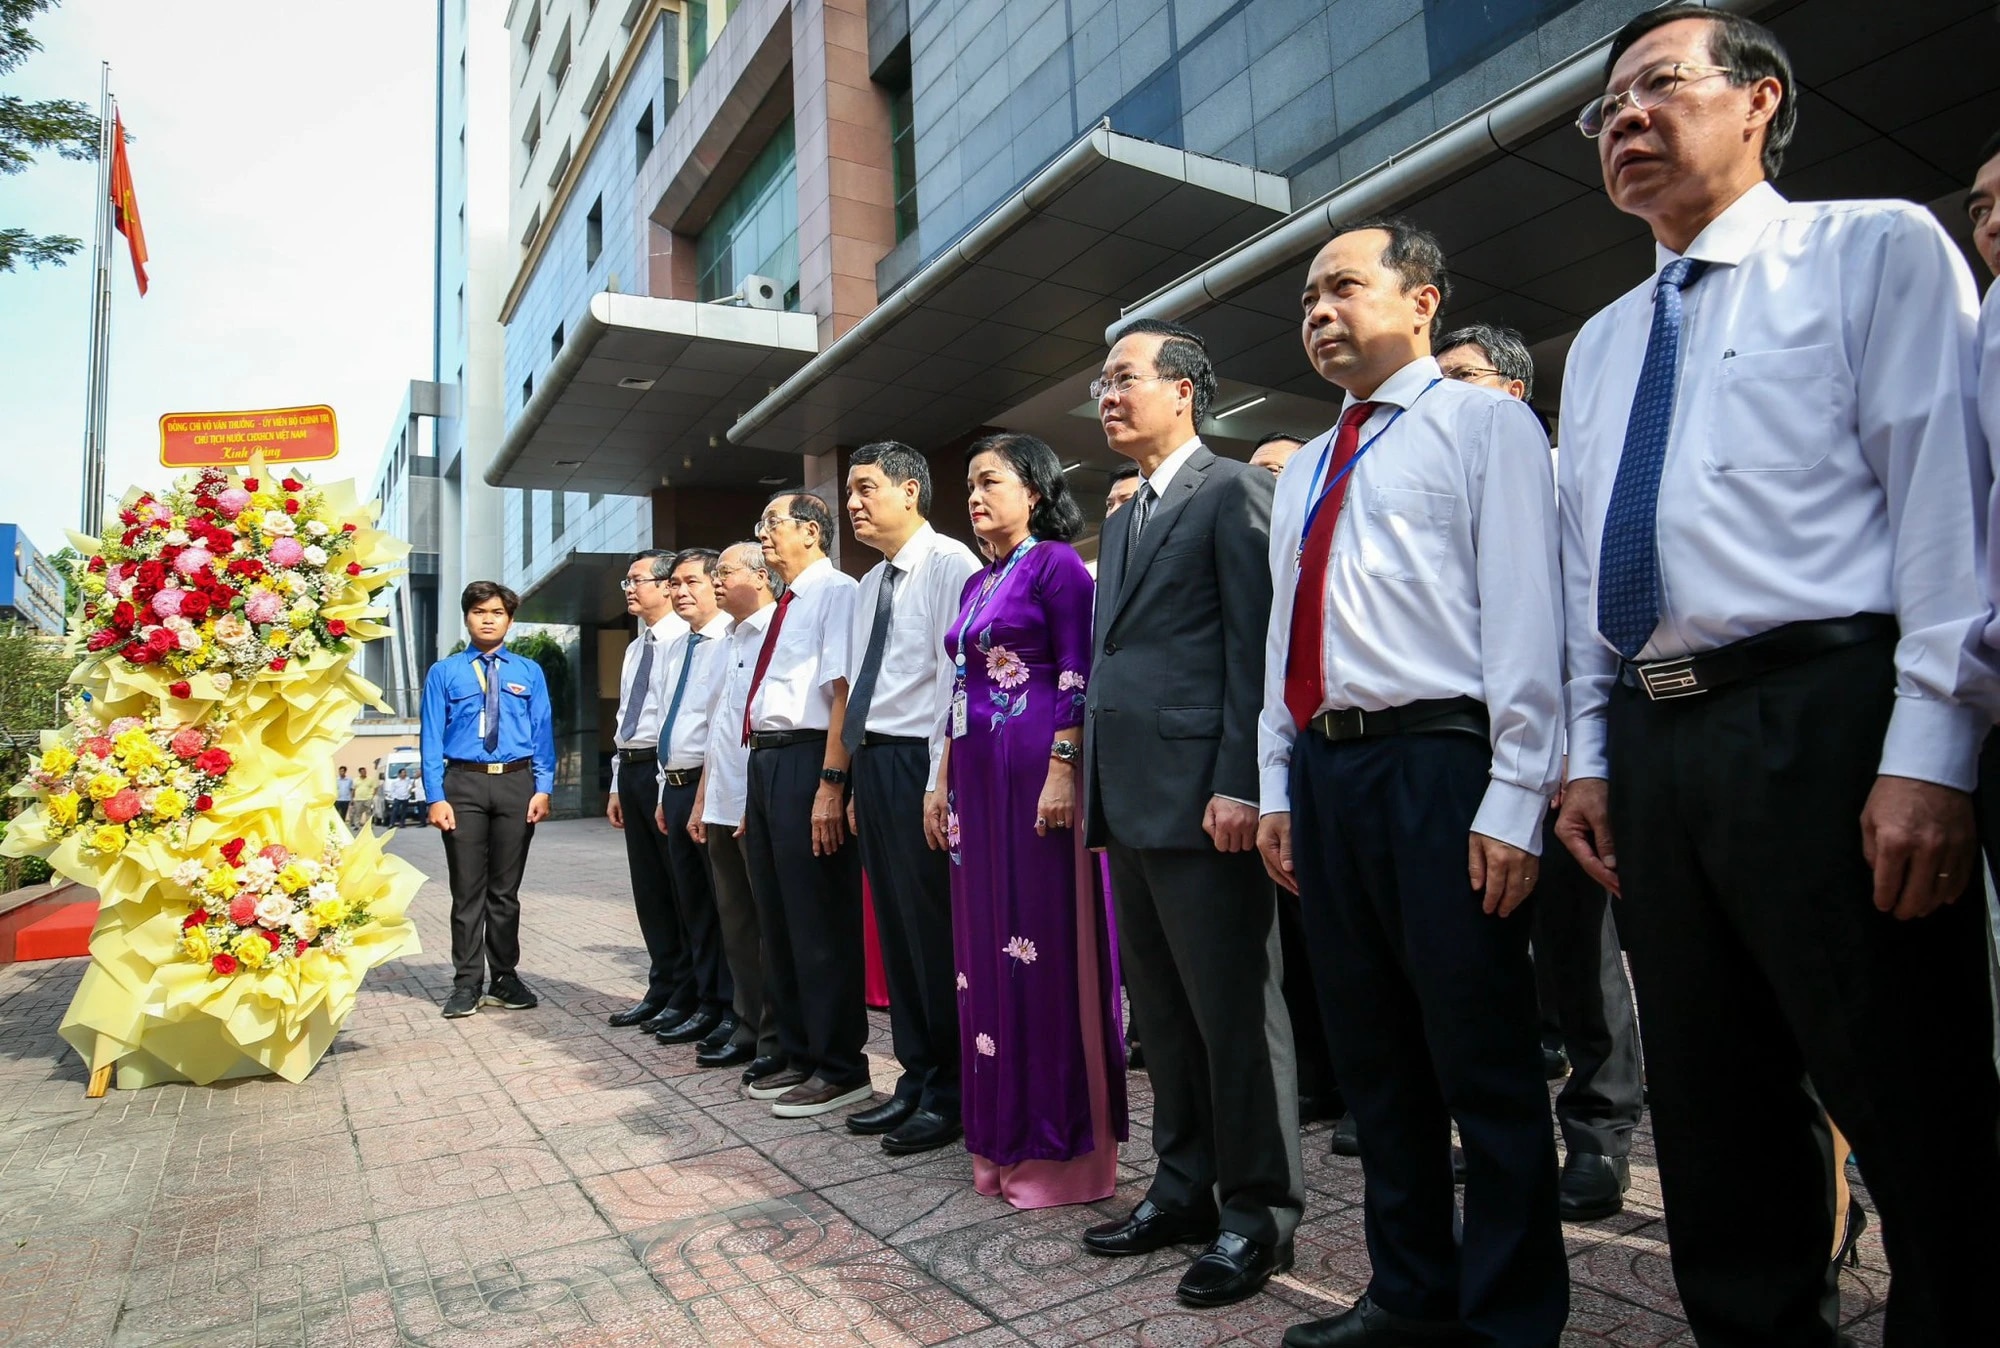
(263, 607)
(167, 603)
(231, 502)
(193, 561)
(243, 910)
(276, 855)
(123, 807)
(286, 552)
(188, 743)
(160, 513)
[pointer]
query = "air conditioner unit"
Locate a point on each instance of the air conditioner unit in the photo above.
(761, 292)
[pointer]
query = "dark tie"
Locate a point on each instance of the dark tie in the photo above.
(764, 660)
(674, 707)
(1628, 564)
(638, 694)
(1142, 510)
(1305, 655)
(858, 702)
(491, 739)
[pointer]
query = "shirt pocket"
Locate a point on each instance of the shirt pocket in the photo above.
(1190, 723)
(1406, 534)
(1774, 411)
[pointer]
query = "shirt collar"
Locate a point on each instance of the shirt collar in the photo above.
(717, 626)
(1164, 474)
(669, 627)
(1729, 237)
(1403, 387)
(755, 623)
(812, 576)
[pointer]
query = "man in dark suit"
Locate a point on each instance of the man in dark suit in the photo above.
(1170, 767)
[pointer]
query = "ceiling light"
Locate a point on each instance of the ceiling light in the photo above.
(634, 382)
(1072, 467)
(569, 463)
(1243, 406)
(770, 482)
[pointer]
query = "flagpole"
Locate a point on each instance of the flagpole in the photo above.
(97, 395)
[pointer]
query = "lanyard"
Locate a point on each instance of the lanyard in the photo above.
(987, 590)
(1318, 497)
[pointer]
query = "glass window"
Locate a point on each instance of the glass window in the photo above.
(903, 161)
(558, 513)
(527, 528)
(755, 231)
(694, 14)
(593, 233)
(642, 138)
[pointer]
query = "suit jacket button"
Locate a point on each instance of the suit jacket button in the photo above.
(1111, 648)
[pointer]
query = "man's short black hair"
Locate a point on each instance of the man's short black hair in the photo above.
(1747, 49)
(807, 508)
(1123, 471)
(1414, 254)
(899, 463)
(661, 562)
(1276, 436)
(1503, 346)
(1986, 153)
(480, 591)
(706, 556)
(1183, 355)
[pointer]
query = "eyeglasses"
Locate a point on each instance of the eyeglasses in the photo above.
(628, 584)
(1653, 86)
(725, 572)
(763, 527)
(1121, 384)
(1468, 373)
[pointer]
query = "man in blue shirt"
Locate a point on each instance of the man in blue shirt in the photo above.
(489, 752)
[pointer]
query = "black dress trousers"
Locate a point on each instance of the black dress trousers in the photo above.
(1430, 1014)
(694, 898)
(485, 857)
(1768, 983)
(912, 885)
(810, 910)
(670, 972)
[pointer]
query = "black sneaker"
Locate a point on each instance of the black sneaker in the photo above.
(462, 1002)
(509, 991)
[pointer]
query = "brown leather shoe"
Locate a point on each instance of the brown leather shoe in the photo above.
(773, 1084)
(809, 1098)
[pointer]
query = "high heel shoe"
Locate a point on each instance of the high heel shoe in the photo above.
(1849, 1252)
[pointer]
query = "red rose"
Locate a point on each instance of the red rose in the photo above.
(197, 918)
(138, 652)
(354, 568)
(180, 688)
(213, 763)
(124, 615)
(273, 937)
(95, 564)
(347, 528)
(204, 804)
(249, 484)
(152, 574)
(224, 964)
(232, 851)
(194, 605)
(336, 627)
(126, 539)
(292, 484)
(301, 948)
(278, 664)
(161, 641)
(291, 506)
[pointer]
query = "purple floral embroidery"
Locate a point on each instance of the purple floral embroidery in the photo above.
(1073, 682)
(962, 983)
(984, 1043)
(1006, 669)
(951, 833)
(1020, 948)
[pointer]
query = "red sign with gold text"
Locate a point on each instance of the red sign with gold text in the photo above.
(222, 439)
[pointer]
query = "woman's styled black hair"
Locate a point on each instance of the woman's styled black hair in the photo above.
(1057, 515)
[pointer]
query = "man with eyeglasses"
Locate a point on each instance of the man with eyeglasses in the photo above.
(670, 997)
(804, 870)
(1579, 968)
(1773, 615)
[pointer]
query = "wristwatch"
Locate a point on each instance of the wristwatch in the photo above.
(838, 776)
(1065, 751)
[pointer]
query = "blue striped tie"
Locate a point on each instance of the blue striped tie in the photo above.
(1628, 564)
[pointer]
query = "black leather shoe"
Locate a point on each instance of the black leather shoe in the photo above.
(1593, 1187)
(635, 1013)
(923, 1131)
(1233, 1268)
(883, 1118)
(728, 1055)
(1342, 1139)
(696, 1026)
(724, 1031)
(762, 1067)
(668, 1018)
(1149, 1228)
(1135, 1056)
(1555, 1063)
(1367, 1325)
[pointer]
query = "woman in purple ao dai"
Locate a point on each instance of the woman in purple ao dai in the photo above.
(1044, 1087)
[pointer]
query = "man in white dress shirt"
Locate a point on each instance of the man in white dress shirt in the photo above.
(1982, 204)
(747, 590)
(1410, 739)
(670, 996)
(1771, 582)
(683, 686)
(804, 870)
(896, 704)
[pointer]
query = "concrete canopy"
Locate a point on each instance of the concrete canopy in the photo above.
(644, 389)
(1020, 301)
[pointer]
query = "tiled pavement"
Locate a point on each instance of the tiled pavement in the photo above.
(539, 1178)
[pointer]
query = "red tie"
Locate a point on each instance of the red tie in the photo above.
(1305, 657)
(764, 660)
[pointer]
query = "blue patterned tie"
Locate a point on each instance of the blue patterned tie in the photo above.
(674, 708)
(491, 739)
(1628, 565)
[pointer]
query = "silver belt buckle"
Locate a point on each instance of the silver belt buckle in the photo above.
(1666, 679)
(495, 769)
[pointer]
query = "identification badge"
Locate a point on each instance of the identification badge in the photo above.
(517, 689)
(958, 715)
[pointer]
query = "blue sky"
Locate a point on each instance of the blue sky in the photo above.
(283, 157)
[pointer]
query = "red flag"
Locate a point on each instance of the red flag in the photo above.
(124, 204)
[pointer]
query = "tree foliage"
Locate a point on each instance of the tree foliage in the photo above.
(64, 125)
(32, 672)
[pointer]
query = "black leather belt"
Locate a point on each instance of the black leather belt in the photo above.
(1662, 680)
(779, 739)
(489, 769)
(872, 740)
(646, 755)
(1445, 713)
(678, 777)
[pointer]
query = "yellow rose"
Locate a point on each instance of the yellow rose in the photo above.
(261, 501)
(136, 751)
(58, 761)
(169, 803)
(292, 879)
(330, 912)
(221, 882)
(63, 807)
(93, 585)
(251, 950)
(194, 943)
(108, 838)
(105, 785)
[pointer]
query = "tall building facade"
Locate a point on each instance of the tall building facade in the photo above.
(747, 236)
(31, 590)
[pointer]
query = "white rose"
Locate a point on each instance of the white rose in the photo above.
(188, 638)
(278, 522)
(273, 910)
(221, 681)
(303, 925)
(317, 528)
(260, 869)
(177, 537)
(315, 555)
(190, 874)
